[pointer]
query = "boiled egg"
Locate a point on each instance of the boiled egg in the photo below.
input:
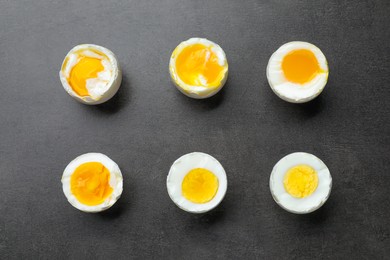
(196, 182)
(300, 183)
(90, 74)
(297, 72)
(92, 182)
(198, 68)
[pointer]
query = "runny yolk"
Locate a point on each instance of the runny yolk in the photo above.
(300, 66)
(197, 65)
(89, 183)
(301, 181)
(86, 68)
(199, 185)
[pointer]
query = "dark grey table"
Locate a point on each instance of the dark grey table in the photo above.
(149, 124)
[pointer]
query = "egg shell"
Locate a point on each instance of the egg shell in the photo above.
(300, 205)
(113, 85)
(197, 92)
(180, 169)
(116, 181)
(292, 92)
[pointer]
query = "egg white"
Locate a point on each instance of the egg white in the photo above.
(100, 89)
(180, 169)
(116, 181)
(197, 92)
(293, 92)
(309, 203)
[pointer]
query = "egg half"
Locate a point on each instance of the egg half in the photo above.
(198, 68)
(297, 72)
(300, 183)
(196, 182)
(90, 74)
(92, 182)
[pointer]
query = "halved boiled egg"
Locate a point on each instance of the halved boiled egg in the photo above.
(297, 72)
(92, 182)
(198, 68)
(300, 183)
(90, 74)
(196, 182)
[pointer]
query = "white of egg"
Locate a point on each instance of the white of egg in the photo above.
(300, 205)
(198, 91)
(116, 181)
(180, 169)
(100, 89)
(290, 91)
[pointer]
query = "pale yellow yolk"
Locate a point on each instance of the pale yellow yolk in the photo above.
(301, 181)
(199, 185)
(197, 65)
(300, 66)
(86, 68)
(89, 183)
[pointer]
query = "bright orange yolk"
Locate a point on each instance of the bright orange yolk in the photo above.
(86, 68)
(197, 65)
(199, 185)
(300, 66)
(89, 183)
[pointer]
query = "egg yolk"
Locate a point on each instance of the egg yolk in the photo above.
(199, 185)
(197, 65)
(89, 183)
(301, 181)
(86, 68)
(300, 66)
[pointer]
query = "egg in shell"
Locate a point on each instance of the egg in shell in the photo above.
(196, 182)
(300, 183)
(90, 74)
(198, 68)
(92, 182)
(297, 72)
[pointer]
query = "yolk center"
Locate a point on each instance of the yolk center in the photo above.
(199, 185)
(301, 181)
(90, 183)
(86, 68)
(197, 65)
(300, 66)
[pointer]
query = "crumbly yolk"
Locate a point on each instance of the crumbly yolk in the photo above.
(200, 185)
(301, 181)
(89, 183)
(300, 66)
(197, 65)
(86, 68)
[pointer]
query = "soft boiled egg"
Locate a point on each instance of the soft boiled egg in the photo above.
(300, 183)
(92, 182)
(198, 68)
(196, 182)
(297, 72)
(90, 74)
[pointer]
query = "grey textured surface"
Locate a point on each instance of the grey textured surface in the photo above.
(149, 124)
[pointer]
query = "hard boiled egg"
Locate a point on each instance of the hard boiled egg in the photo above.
(300, 183)
(92, 182)
(198, 68)
(90, 74)
(196, 182)
(297, 72)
